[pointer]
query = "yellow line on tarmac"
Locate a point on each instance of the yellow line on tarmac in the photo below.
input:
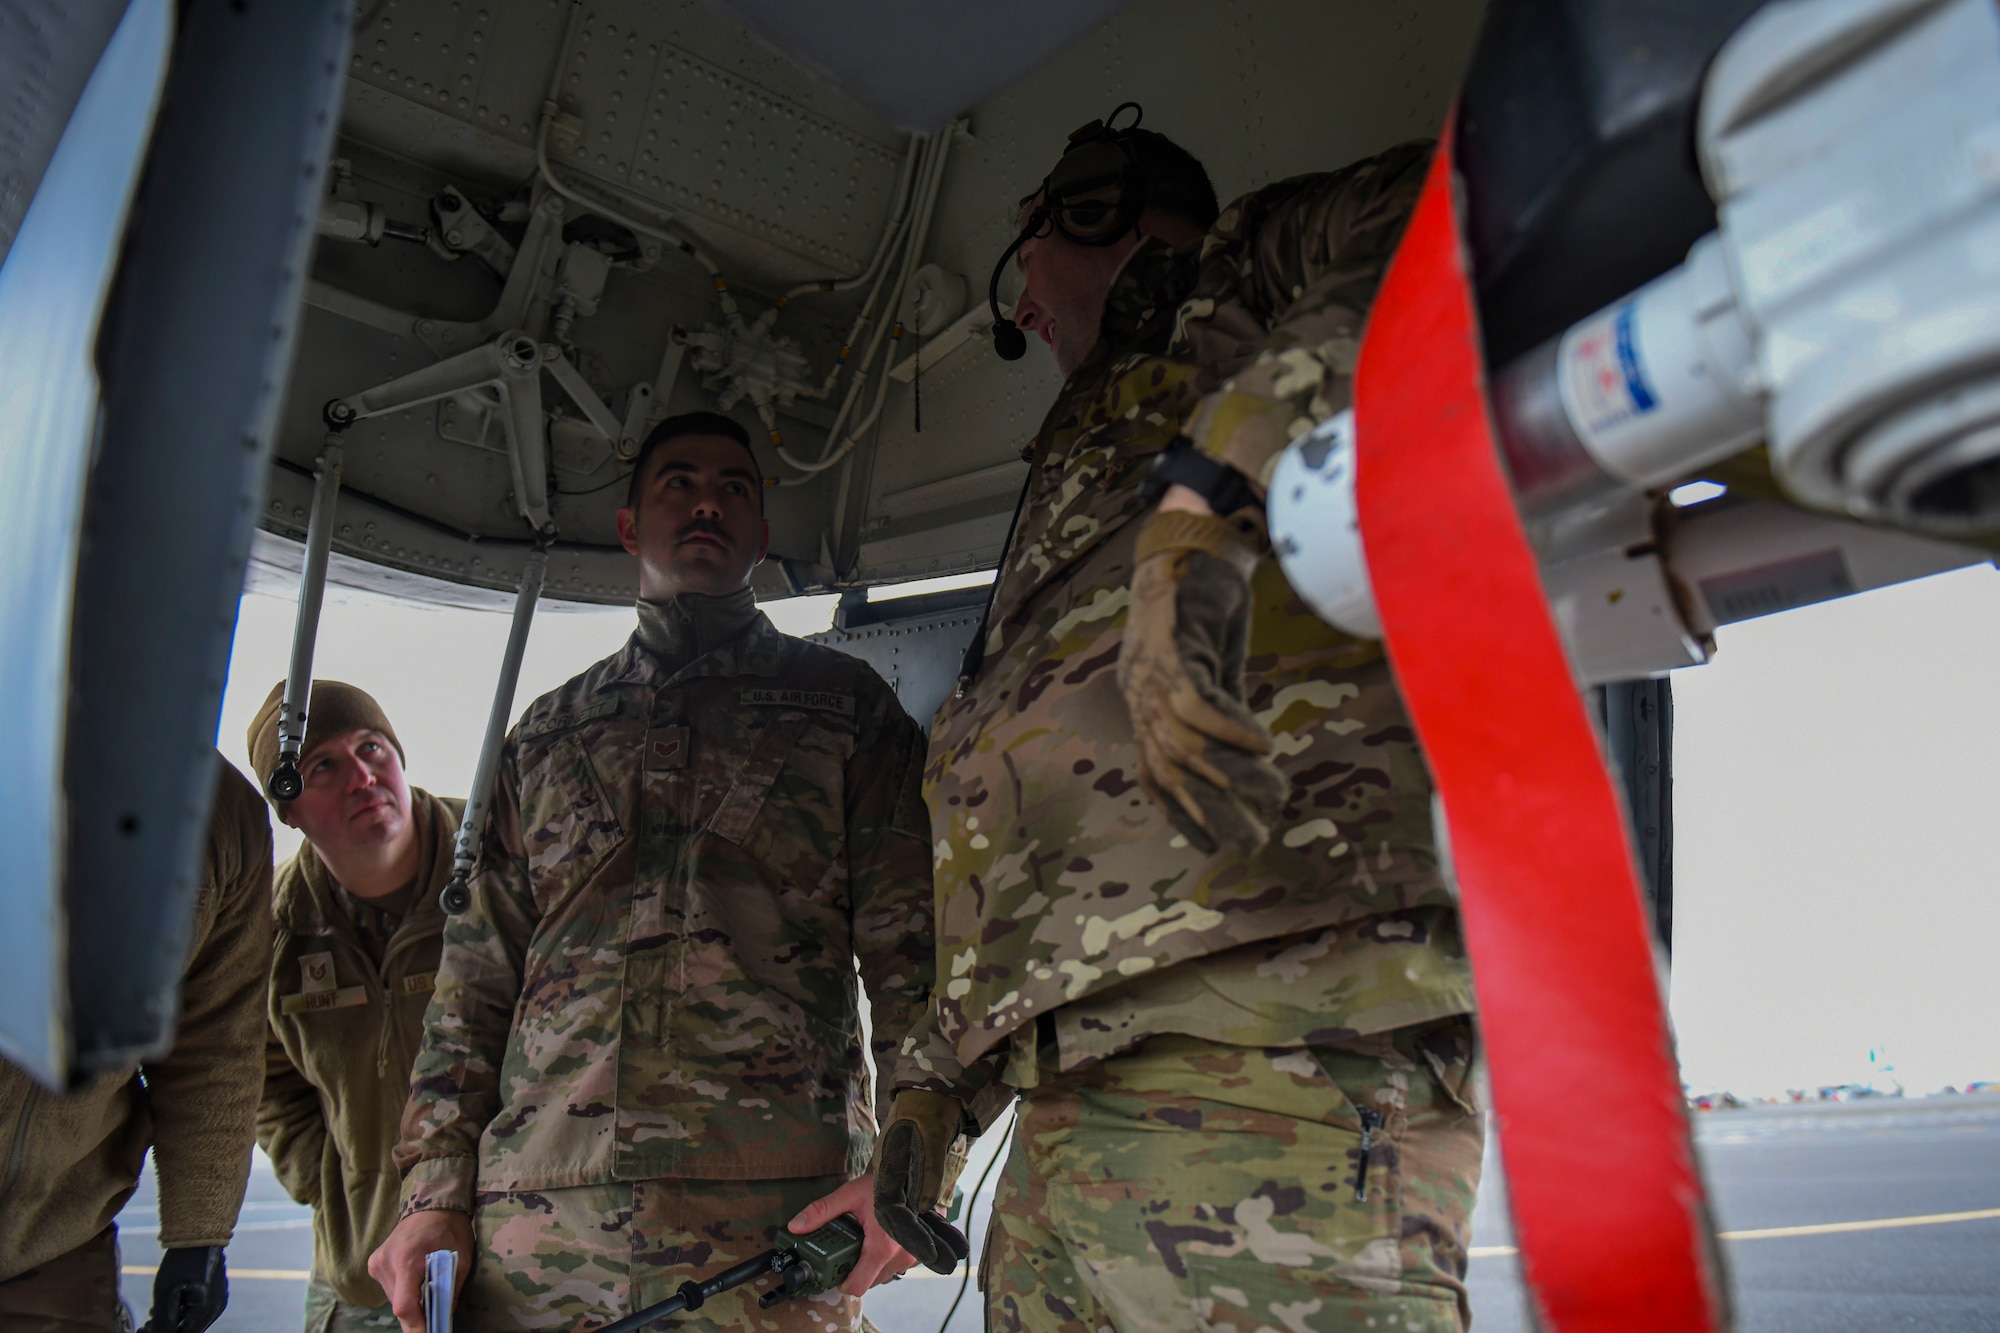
(267, 1274)
(1477, 1251)
(1873, 1224)
(1817, 1229)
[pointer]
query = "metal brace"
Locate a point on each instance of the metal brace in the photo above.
(456, 896)
(284, 782)
(511, 365)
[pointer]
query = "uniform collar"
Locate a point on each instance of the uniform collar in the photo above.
(755, 651)
(1145, 295)
(689, 625)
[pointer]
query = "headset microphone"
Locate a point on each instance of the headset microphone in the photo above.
(1009, 343)
(1094, 197)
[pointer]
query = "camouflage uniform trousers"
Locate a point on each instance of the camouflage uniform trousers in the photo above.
(590, 1254)
(75, 1292)
(327, 1313)
(1189, 1184)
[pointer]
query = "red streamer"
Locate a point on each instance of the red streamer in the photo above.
(1606, 1199)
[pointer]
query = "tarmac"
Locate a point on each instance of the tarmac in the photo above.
(1869, 1215)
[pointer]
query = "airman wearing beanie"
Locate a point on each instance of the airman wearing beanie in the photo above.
(336, 709)
(359, 934)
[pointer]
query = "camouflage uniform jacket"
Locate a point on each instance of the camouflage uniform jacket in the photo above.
(657, 974)
(346, 1015)
(68, 1163)
(1060, 885)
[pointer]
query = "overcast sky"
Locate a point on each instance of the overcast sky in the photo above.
(1837, 808)
(1837, 858)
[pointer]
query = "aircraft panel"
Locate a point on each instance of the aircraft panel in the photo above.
(48, 49)
(677, 116)
(52, 292)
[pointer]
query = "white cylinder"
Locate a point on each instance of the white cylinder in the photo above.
(1657, 385)
(1316, 528)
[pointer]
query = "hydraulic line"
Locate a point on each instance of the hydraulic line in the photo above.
(892, 236)
(917, 180)
(922, 149)
(904, 182)
(456, 897)
(685, 244)
(919, 228)
(283, 782)
(893, 328)
(919, 233)
(860, 428)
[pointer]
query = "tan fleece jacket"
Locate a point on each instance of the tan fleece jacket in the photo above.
(68, 1163)
(344, 1029)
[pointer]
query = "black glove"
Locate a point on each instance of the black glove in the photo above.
(189, 1291)
(910, 1167)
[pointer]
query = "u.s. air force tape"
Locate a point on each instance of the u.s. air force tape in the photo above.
(826, 701)
(1607, 1203)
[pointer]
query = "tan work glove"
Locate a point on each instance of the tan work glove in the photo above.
(915, 1164)
(1202, 754)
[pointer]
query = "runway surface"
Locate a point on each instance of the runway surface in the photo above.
(1790, 1184)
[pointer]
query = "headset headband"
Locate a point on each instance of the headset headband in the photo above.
(1094, 196)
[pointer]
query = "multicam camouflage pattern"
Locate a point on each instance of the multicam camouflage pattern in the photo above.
(656, 977)
(1057, 878)
(327, 1313)
(1260, 1209)
(345, 1017)
(585, 1256)
(1277, 311)
(1329, 985)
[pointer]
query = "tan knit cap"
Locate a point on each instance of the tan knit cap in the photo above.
(335, 710)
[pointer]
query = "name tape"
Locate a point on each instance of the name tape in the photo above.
(564, 721)
(312, 1002)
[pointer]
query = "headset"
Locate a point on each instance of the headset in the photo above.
(1094, 196)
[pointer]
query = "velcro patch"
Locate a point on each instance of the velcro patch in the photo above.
(564, 721)
(316, 973)
(826, 701)
(311, 1002)
(666, 748)
(418, 983)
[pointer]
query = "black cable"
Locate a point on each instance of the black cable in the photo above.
(975, 651)
(694, 1295)
(972, 1199)
(618, 480)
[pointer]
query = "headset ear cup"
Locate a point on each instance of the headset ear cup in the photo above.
(1086, 133)
(1094, 194)
(1098, 218)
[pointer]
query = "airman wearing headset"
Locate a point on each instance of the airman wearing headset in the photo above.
(1189, 902)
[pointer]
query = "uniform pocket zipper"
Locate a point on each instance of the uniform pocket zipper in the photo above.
(1371, 1120)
